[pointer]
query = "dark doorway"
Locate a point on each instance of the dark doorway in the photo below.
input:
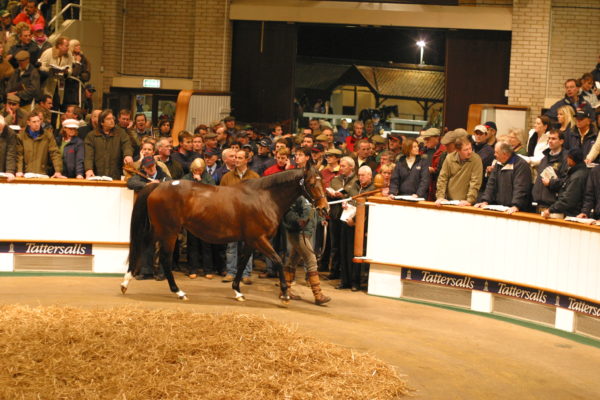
(477, 72)
(262, 71)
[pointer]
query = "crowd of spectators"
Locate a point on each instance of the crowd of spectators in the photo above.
(45, 130)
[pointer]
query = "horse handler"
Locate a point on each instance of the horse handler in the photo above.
(299, 223)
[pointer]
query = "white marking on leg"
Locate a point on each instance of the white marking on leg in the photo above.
(125, 282)
(239, 296)
(181, 294)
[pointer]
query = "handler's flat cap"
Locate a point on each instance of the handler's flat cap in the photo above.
(334, 152)
(210, 136)
(322, 138)
(13, 98)
(431, 132)
(451, 136)
(22, 55)
(378, 139)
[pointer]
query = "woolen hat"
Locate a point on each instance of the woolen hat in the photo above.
(264, 143)
(576, 154)
(148, 161)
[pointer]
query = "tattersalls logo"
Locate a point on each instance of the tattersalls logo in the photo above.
(584, 307)
(63, 249)
(523, 293)
(441, 279)
(504, 289)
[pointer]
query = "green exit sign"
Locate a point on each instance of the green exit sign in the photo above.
(151, 83)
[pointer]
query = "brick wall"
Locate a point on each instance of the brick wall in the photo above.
(109, 14)
(182, 39)
(575, 41)
(529, 54)
(159, 38)
(212, 46)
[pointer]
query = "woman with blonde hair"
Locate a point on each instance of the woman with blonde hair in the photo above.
(385, 171)
(566, 119)
(81, 71)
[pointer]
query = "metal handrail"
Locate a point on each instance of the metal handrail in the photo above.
(80, 82)
(55, 19)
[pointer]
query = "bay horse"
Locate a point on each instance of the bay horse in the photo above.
(249, 212)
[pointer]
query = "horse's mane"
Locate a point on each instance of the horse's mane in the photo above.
(277, 179)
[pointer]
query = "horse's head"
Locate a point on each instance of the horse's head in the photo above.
(312, 186)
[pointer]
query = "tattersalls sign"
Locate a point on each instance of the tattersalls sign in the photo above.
(504, 289)
(62, 249)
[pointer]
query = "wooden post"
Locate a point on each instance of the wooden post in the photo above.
(359, 228)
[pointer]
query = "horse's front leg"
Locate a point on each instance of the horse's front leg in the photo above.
(241, 266)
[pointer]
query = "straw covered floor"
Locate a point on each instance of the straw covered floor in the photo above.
(71, 353)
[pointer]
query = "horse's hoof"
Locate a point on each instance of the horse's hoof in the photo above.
(123, 289)
(184, 298)
(240, 298)
(285, 299)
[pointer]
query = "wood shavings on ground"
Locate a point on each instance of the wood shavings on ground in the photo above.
(130, 354)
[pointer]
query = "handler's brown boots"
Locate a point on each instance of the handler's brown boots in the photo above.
(290, 275)
(315, 285)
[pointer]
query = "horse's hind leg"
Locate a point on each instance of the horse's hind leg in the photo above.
(166, 259)
(263, 245)
(241, 266)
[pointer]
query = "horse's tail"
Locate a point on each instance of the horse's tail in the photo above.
(140, 233)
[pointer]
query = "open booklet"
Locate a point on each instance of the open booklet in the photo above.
(549, 173)
(331, 191)
(31, 175)
(496, 207)
(588, 221)
(3, 175)
(100, 178)
(348, 213)
(450, 202)
(406, 197)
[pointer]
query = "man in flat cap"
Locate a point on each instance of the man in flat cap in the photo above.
(25, 42)
(25, 81)
(12, 113)
(433, 152)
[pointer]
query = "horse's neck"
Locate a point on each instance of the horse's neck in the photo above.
(284, 196)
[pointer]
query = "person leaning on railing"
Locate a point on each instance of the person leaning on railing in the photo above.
(509, 183)
(461, 175)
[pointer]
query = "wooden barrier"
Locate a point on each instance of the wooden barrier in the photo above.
(66, 217)
(521, 256)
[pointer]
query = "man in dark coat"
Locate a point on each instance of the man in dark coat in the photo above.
(591, 198)
(509, 183)
(570, 197)
(545, 188)
(8, 150)
(107, 148)
(25, 81)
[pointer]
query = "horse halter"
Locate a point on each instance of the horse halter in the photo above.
(307, 194)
